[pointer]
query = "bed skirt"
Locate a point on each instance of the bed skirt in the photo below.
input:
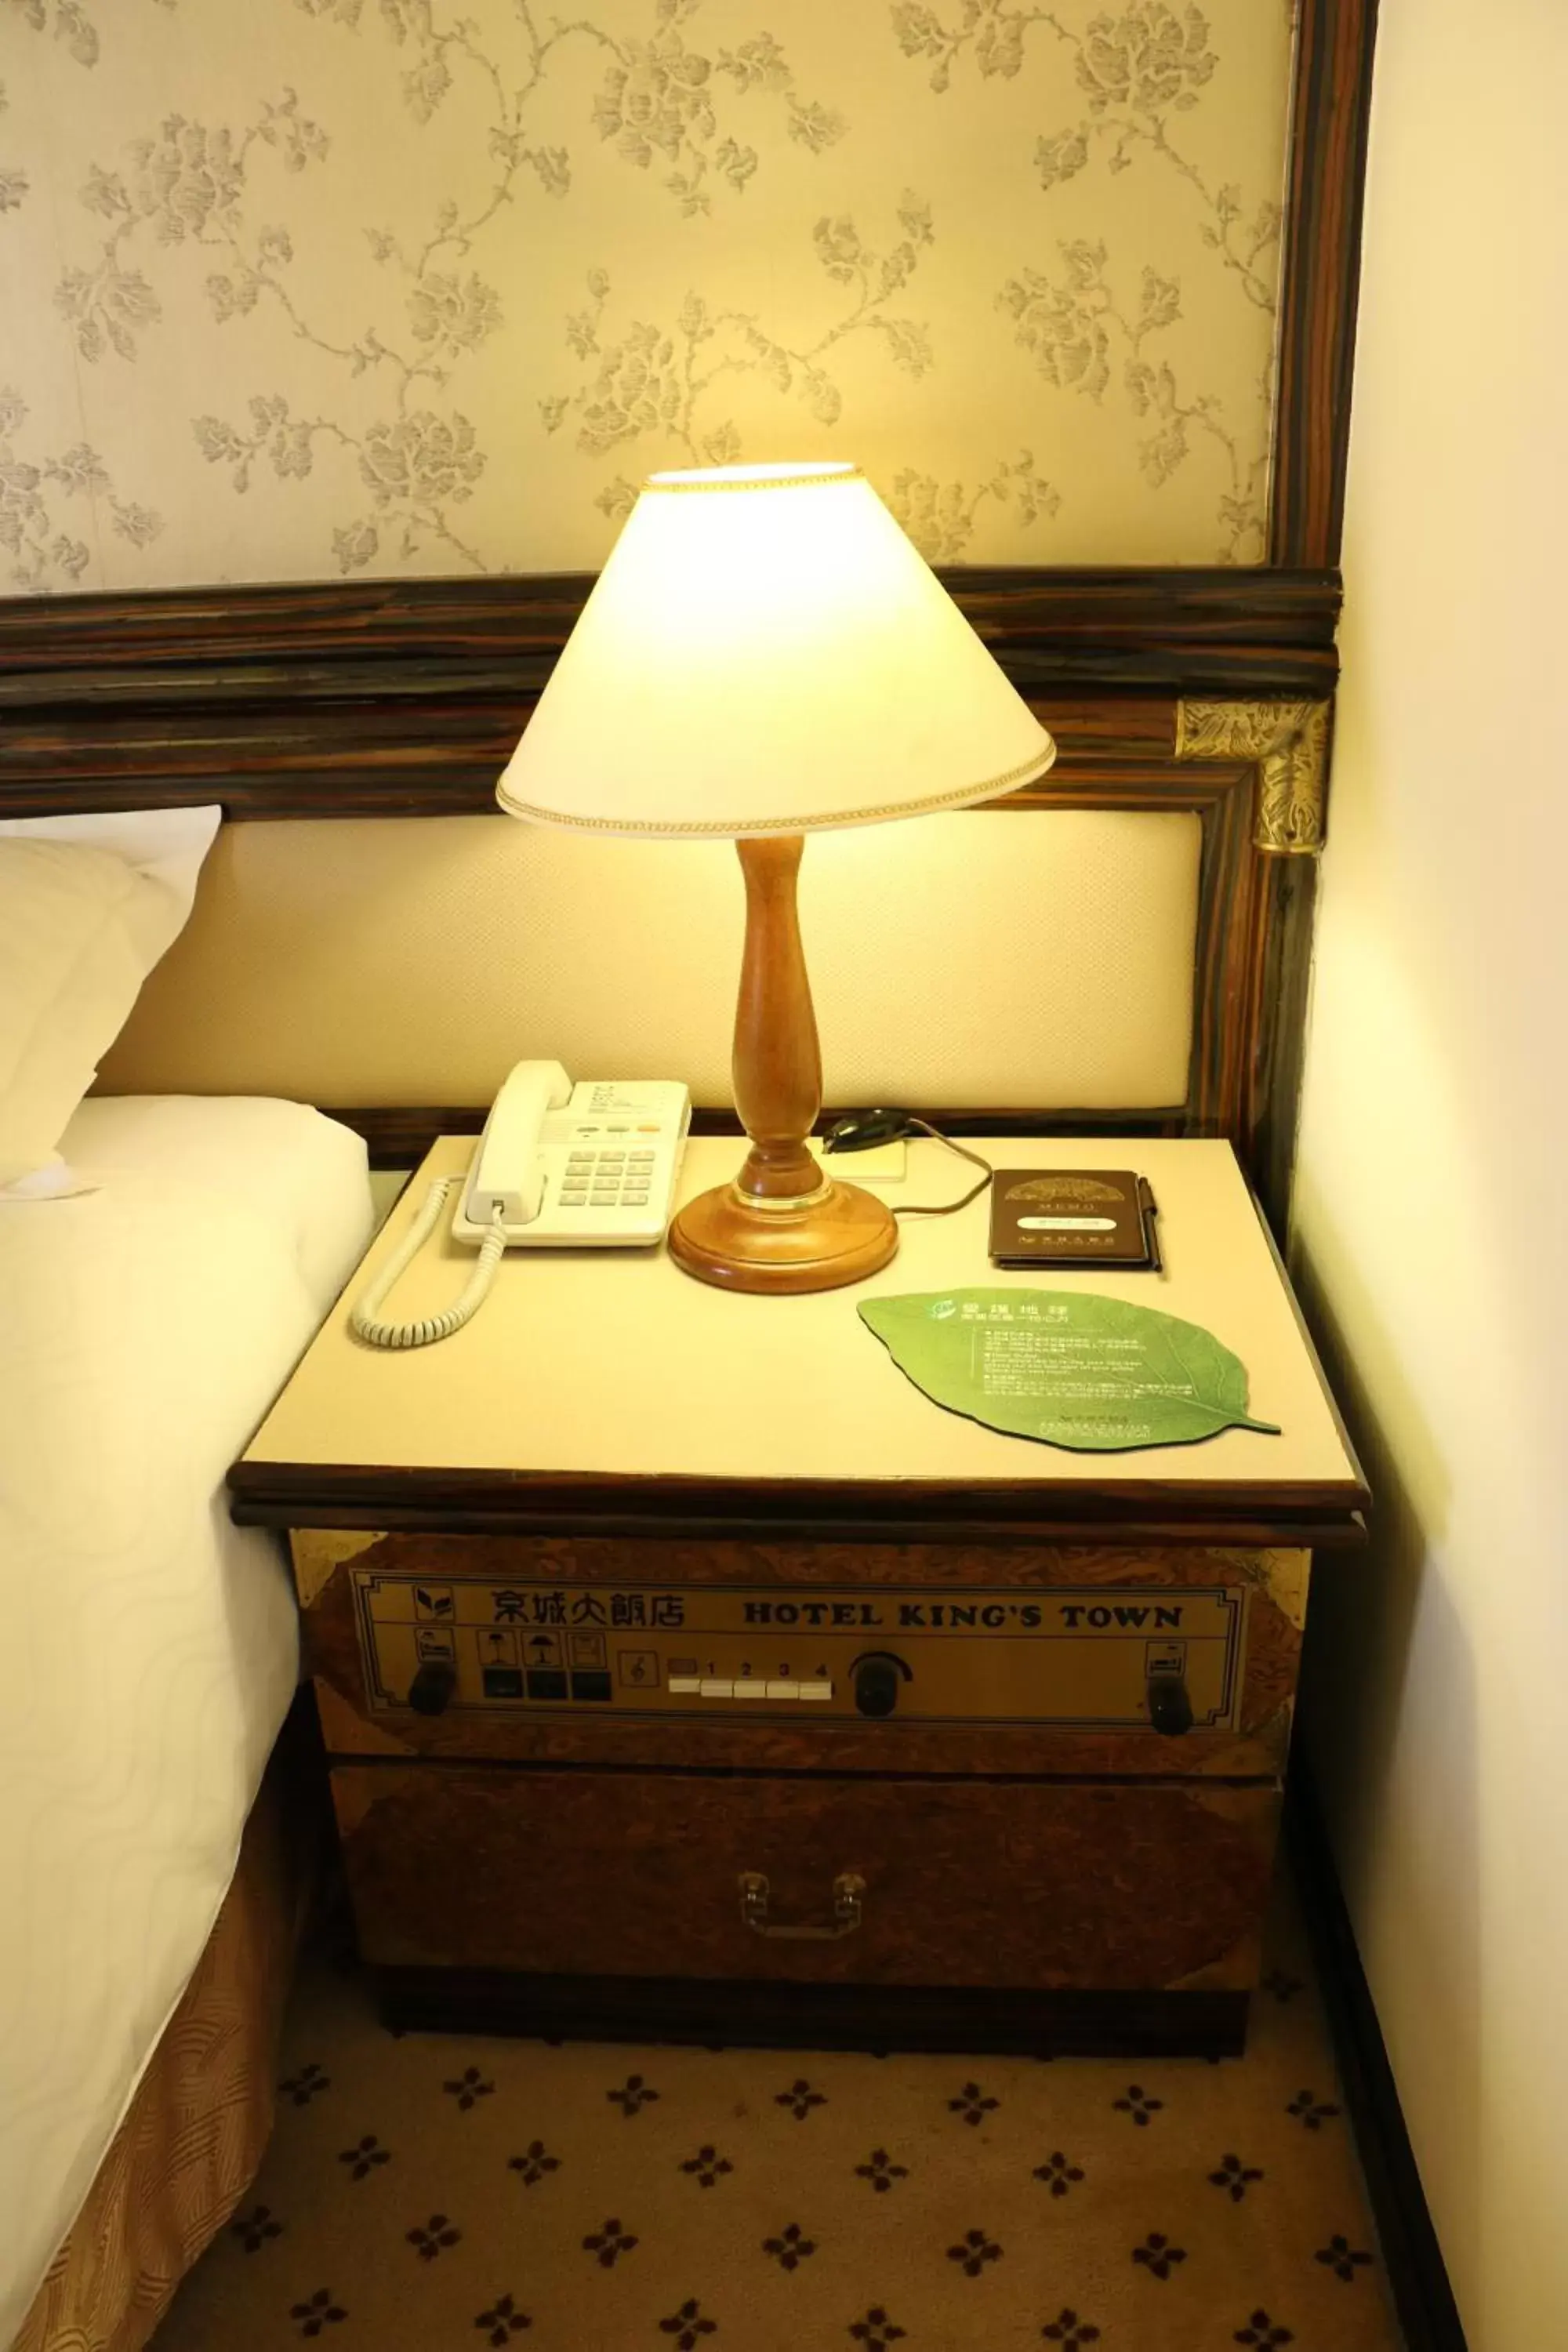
(193, 2135)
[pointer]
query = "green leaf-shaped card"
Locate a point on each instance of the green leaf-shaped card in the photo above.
(1066, 1366)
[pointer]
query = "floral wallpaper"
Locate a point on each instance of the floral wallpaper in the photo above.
(310, 288)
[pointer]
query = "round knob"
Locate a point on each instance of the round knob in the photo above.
(1170, 1708)
(876, 1685)
(432, 1687)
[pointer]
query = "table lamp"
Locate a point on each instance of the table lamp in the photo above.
(765, 655)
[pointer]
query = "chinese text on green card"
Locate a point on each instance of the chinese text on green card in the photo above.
(1067, 1367)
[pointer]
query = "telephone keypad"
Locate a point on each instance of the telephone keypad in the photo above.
(609, 1178)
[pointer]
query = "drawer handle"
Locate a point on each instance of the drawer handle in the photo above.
(847, 1889)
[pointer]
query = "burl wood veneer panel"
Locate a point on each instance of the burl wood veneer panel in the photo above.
(1276, 1583)
(967, 1883)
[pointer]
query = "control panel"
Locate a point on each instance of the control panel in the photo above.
(1159, 1658)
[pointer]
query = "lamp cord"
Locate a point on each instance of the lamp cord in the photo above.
(945, 1208)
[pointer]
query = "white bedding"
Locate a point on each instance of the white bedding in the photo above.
(145, 1326)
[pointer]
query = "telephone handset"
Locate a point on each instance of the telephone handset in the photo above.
(506, 1179)
(558, 1167)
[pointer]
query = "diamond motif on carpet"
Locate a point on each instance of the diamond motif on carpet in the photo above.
(425, 2191)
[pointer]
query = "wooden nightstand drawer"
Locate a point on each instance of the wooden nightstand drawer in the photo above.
(899, 1881)
(1002, 1657)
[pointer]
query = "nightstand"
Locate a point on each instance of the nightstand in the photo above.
(684, 1671)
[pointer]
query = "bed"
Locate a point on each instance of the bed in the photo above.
(146, 1322)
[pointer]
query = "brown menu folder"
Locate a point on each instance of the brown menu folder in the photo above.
(1071, 1217)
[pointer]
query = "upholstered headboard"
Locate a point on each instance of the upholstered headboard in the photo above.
(367, 962)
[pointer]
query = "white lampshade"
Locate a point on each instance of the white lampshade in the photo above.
(766, 653)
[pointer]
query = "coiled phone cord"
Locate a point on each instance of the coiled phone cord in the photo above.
(366, 1308)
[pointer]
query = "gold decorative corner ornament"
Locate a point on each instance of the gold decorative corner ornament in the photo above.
(1289, 744)
(320, 1552)
(1282, 1575)
(1285, 1580)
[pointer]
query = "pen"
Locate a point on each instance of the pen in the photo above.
(1150, 1211)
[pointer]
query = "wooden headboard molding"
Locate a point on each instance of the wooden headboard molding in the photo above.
(1133, 626)
(1331, 113)
(404, 698)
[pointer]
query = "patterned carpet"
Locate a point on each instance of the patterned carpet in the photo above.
(428, 2193)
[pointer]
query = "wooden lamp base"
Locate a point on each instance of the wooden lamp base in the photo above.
(783, 1225)
(834, 1235)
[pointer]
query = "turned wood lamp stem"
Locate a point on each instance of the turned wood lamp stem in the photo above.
(782, 1225)
(777, 1064)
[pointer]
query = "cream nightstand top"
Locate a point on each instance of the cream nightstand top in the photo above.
(591, 1366)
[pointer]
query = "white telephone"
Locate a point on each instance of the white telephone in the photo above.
(558, 1167)
(588, 1167)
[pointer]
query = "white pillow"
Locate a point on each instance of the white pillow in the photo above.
(88, 905)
